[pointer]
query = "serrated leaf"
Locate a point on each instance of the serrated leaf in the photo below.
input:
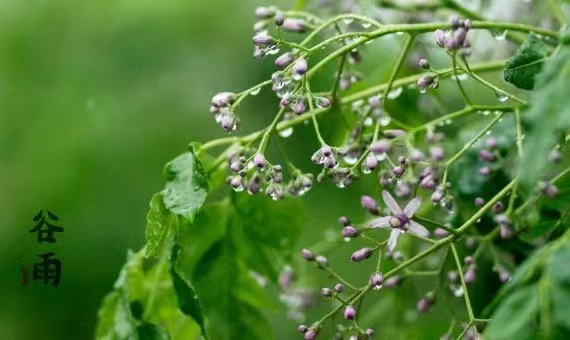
(549, 114)
(229, 250)
(143, 304)
(187, 300)
(515, 317)
(522, 68)
(186, 187)
(159, 222)
(535, 303)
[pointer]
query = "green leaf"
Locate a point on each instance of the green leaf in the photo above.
(187, 299)
(522, 68)
(186, 187)
(515, 317)
(537, 297)
(143, 304)
(225, 254)
(159, 222)
(548, 114)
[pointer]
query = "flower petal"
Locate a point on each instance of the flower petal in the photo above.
(412, 206)
(380, 222)
(393, 239)
(417, 229)
(391, 202)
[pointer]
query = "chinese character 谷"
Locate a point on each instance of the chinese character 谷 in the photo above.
(44, 228)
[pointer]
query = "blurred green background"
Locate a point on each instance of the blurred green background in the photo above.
(95, 97)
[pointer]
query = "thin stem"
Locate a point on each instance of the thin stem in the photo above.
(293, 45)
(474, 140)
(269, 131)
(397, 68)
(337, 80)
(339, 278)
(557, 11)
(519, 131)
(463, 284)
(311, 108)
(458, 81)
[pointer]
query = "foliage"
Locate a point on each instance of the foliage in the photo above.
(221, 257)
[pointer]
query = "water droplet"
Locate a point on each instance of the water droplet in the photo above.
(385, 120)
(479, 221)
(488, 132)
(380, 157)
(448, 121)
(350, 159)
(486, 113)
(369, 42)
(501, 97)
(296, 76)
(399, 33)
(423, 91)
(368, 121)
(271, 50)
(395, 93)
(499, 34)
(463, 76)
(348, 21)
(457, 290)
(347, 239)
(366, 25)
(286, 132)
(255, 92)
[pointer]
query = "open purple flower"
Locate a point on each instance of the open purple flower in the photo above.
(401, 220)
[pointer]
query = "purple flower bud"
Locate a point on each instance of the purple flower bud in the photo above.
(504, 275)
(451, 44)
(326, 292)
(439, 37)
(424, 81)
(264, 12)
(479, 202)
(371, 162)
(398, 170)
(470, 242)
(440, 233)
(467, 24)
(424, 305)
(294, 25)
(343, 220)
(279, 18)
(549, 190)
(486, 156)
(460, 35)
(263, 40)
(300, 67)
(326, 151)
(555, 156)
(393, 282)
(394, 133)
(284, 60)
(254, 185)
(339, 288)
(380, 146)
(376, 280)
(369, 333)
(437, 196)
(375, 102)
(423, 63)
(330, 162)
(228, 122)
(223, 99)
(361, 254)
(369, 204)
(470, 275)
(491, 142)
(285, 101)
(259, 161)
(307, 255)
(469, 260)
(349, 313)
(505, 231)
(416, 155)
(311, 334)
(454, 20)
(484, 171)
(498, 207)
(322, 102)
(428, 182)
(236, 166)
(237, 182)
(299, 107)
(349, 232)
(302, 328)
(436, 153)
(322, 261)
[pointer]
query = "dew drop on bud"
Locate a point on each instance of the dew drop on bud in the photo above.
(501, 97)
